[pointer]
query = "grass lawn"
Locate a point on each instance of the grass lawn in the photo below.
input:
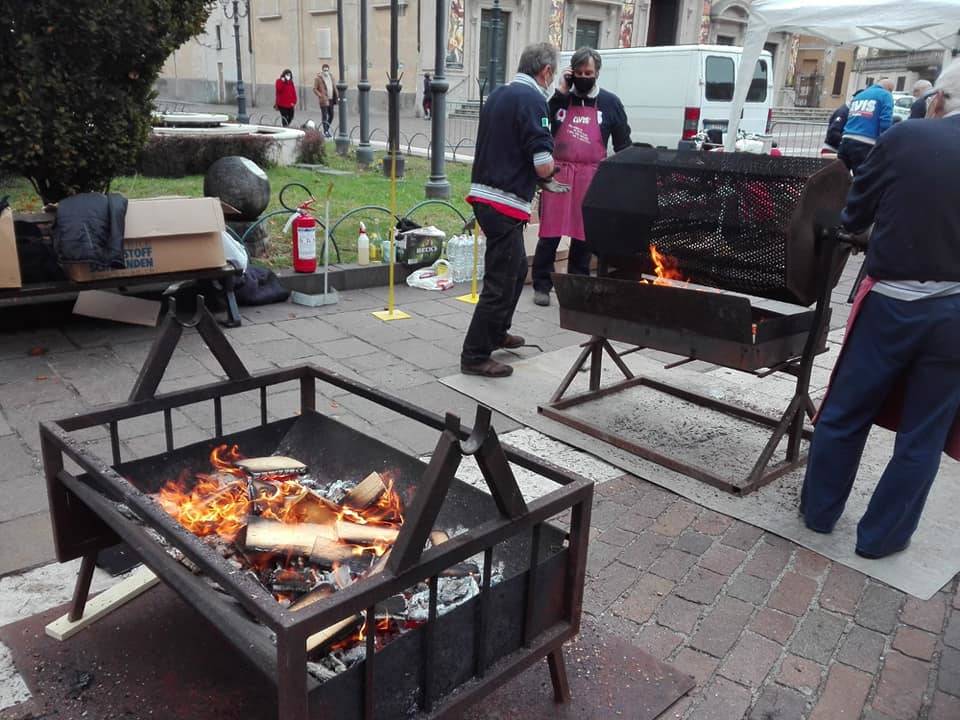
(366, 187)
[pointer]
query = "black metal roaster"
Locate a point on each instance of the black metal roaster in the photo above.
(740, 232)
(455, 657)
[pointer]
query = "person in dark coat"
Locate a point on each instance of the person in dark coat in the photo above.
(922, 92)
(427, 96)
(507, 167)
(901, 355)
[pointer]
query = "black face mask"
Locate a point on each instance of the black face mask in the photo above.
(584, 84)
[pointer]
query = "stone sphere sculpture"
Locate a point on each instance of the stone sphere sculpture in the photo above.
(239, 182)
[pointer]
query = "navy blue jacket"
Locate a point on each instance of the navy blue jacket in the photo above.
(613, 118)
(514, 134)
(835, 127)
(907, 186)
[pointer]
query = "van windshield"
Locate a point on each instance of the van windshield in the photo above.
(720, 78)
(758, 86)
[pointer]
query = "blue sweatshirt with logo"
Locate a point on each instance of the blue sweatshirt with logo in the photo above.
(871, 113)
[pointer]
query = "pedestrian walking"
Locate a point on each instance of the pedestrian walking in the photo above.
(325, 88)
(871, 114)
(584, 118)
(514, 151)
(286, 97)
(900, 362)
(427, 96)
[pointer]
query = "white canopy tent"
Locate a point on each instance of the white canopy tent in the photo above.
(885, 24)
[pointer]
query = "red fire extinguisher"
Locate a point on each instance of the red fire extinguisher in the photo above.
(304, 240)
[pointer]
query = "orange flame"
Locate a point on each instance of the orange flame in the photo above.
(665, 267)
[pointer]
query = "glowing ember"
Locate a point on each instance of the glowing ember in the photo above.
(665, 267)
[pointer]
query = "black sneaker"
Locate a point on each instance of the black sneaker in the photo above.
(541, 298)
(488, 368)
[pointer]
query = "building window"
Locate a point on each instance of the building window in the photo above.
(725, 39)
(324, 44)
(869, 81)
(719, 79)
(838, 74)
(901, 83)
(588, 34)
(219, 39)
(662, 28)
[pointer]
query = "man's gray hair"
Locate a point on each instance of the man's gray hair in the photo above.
(921, 86)
(949, 84)
(536, 57)
(583, 56)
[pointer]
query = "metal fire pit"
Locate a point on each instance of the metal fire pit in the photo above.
(741, 230)
(431, 671)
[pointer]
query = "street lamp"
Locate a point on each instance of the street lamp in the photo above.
(364, 151)
(495, 23)
(342, 141)
(394, 160)
(438, 186)
(236, 9)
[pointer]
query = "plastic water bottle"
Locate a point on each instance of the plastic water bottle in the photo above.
(481, 252)
(363, 247)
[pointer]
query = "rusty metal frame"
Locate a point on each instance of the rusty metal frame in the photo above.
(791, 424)
(98, 508)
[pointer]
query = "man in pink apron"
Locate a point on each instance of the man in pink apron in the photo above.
(583, 119)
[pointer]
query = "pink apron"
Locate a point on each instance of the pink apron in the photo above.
(578, 151)
(889, 415)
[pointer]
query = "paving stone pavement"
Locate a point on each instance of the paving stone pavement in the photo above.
(769, 630)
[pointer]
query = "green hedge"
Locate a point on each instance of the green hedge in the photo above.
(179, 155)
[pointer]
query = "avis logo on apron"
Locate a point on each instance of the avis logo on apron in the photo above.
(578, 152)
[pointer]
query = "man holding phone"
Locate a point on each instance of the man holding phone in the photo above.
(583, 119)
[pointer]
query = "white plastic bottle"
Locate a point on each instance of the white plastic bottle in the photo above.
(481, 252)
(363, 247)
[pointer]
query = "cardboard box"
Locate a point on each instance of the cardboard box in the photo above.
(120, 308)
(165, 235)
(9, 261)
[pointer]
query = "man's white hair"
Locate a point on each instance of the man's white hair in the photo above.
(921, 86)
(949, 84)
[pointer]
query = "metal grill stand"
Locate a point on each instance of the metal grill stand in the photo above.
(791, 424)
(526, 617)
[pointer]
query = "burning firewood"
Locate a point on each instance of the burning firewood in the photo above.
(366, 493)
(315, 595)
(315, 541)
(309, 507)
(335, 632)
(366, 534)
(438, 537)
(272, 465)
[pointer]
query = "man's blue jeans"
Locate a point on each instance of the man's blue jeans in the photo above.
(920, 341)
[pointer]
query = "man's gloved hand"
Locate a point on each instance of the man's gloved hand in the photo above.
(551, 184)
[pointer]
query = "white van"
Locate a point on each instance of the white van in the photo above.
(672, 93)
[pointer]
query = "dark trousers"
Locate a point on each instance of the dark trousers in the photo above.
(505, 269)
(578, 261)
(427, 106)
(918, 340)
(286, 116)
(327, 114)
(853, 153)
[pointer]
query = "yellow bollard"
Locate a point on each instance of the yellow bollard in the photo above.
(473, 298)
(391, 313)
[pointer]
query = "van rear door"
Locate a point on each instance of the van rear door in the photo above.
(719, 78)
(757, 106)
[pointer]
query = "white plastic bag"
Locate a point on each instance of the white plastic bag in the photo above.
(234, 251)
(435, 277)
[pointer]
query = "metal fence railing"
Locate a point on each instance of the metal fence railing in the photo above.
(799, 138)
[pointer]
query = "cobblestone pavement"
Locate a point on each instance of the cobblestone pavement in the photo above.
(768, 629)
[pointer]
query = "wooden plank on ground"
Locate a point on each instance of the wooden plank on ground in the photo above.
(137, 583)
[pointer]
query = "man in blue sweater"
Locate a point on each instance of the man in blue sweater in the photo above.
(514, 153)
(906, 330)
(871, 114)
